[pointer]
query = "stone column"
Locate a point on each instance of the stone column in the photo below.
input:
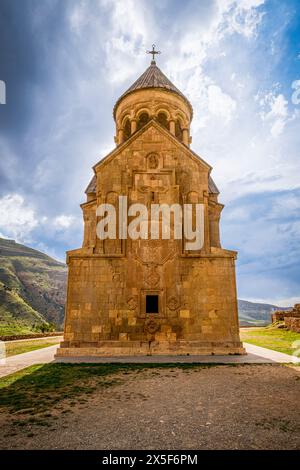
(172, 127)
(185, 136)
(86, 230)
(206, 245)
(120, 135)
(133, 126)
(214, 220)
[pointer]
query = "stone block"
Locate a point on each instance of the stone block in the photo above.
(184, 314)
(112, 313)
(123, 336)
(96, 329)
(206, 329)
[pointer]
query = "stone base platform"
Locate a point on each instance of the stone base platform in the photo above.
(151, 348)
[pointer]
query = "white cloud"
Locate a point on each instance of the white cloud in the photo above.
(79, 17)
(278, 107)
(113, 34)
(220, 104)
(273, 106)
(274, 110)
(17, 219)
(277, 300)
(241, 17)
(285, 206)
(62, 222)
(277, 127)
(21, 221)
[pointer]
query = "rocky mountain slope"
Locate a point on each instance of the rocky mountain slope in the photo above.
(32, 289)
(255, 314)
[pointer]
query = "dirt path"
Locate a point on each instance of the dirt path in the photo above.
(221, 407)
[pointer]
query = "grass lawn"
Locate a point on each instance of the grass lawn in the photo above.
(271, 338)
(20, 346)
(13, 328)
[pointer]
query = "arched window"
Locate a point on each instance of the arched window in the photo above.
(163, 119)
(142, 120)
(127, 129)
(178, 130)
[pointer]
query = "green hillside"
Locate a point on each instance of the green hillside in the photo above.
(32, 289)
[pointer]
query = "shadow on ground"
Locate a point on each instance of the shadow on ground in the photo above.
(41, 387)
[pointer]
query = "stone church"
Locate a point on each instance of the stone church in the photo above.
(142, 297)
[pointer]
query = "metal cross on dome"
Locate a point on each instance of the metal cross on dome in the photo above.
(153, 52)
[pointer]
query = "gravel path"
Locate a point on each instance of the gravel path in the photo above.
(220, 407)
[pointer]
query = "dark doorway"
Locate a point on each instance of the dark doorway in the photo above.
(151, 303)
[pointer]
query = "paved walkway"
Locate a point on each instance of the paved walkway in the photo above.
(255, 355)
(20, 361)
(273, 356)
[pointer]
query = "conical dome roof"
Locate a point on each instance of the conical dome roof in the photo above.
(153, 77)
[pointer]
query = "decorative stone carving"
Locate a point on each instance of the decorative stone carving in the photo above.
(155, 189)
(152, 161)
(132, 303)
(151, 326)
(173, 303)
(152, 277)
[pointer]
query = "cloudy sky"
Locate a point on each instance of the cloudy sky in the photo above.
(65, 63)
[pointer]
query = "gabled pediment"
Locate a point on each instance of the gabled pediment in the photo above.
(153, 124)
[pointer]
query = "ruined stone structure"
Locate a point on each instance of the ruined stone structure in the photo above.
(280, 315)
(291, 318)
(138, 297)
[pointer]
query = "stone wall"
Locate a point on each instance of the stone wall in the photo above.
(106, 301)
(292, 323)
(280, 315)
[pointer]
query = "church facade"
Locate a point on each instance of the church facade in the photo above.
(151, 296)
